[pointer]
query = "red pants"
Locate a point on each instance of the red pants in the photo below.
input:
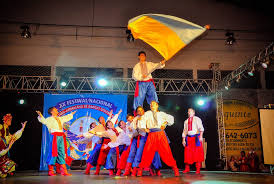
(103, 152)
(123, 159)
(193, 153)
(157, 141)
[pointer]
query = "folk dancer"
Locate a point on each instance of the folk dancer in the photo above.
(145, 86)
(7, 166)
(58, 145)
(192, 141)
(94, 155)
(105, 140)
(157, 140)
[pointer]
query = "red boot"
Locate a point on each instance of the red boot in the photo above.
(158, 173)
(111, 173)
(64, 171)
(176, 171)
(140, 172)
(97, 170)
(186, 169)
(198, 166)
(151, 172)
(134, 171)
(58, 171)
(87, 172)
(119, 172)
(51, 170)
(127, 169)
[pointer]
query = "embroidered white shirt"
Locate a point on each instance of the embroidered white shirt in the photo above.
(148, 120)
(137, 72)
(197, 127)
(52, 123)
(122, 139)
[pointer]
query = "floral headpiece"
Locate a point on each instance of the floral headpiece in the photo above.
(7, 117)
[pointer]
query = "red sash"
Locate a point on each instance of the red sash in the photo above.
(68, 159)
(137, 86)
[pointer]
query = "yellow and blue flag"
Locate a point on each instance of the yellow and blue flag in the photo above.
(167, 34)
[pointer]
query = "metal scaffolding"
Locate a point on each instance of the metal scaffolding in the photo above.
(219, 110)
(41, 84)
(250, 65)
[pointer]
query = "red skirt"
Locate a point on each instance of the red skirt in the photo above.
(103, 152)
(193, 153)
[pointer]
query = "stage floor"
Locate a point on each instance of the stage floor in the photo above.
(206, 177)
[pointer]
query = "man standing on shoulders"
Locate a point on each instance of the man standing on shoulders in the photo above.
(145, 86)
(192, 141)
(57, 146)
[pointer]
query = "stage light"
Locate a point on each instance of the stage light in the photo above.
(265, 63)
(63, 84)
(102, 82)
(230, 38)
(251, 72)
(227, 86)
(201, 102)
(130, 37)
(25, 31)
(21, 101)
(238, 79)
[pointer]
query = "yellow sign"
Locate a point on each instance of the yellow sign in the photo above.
(241, 128)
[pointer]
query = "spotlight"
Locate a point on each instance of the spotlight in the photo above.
(238, 79)
(265, 63)
(201, 102)
(25, 31)
(102, 82)
(63, 84)
(21, 101)
(227, 85)
(230, 38)
(251, 72)
(130, 37)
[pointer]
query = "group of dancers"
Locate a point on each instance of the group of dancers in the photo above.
(138, 144)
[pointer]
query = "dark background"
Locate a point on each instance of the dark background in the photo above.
(26, 151)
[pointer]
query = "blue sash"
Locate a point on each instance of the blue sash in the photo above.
(159, 130)
(155, 130)
(197, 142)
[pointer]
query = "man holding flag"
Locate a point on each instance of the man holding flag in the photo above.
(145, 86)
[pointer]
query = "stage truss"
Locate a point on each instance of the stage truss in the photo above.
(41, 84)
(252, 64)
(217, 79)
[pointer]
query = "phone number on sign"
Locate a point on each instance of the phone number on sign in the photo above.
(242, 135)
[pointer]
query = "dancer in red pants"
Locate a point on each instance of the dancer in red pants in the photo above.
(157, 139)
(192, 141)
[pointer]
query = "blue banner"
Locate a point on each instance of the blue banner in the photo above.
(89, 108)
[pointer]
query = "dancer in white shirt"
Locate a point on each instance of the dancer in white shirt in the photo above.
(157, 139)
(145, 86)
(58, 146)
(192, 141)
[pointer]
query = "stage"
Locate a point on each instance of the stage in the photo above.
(206, 177)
